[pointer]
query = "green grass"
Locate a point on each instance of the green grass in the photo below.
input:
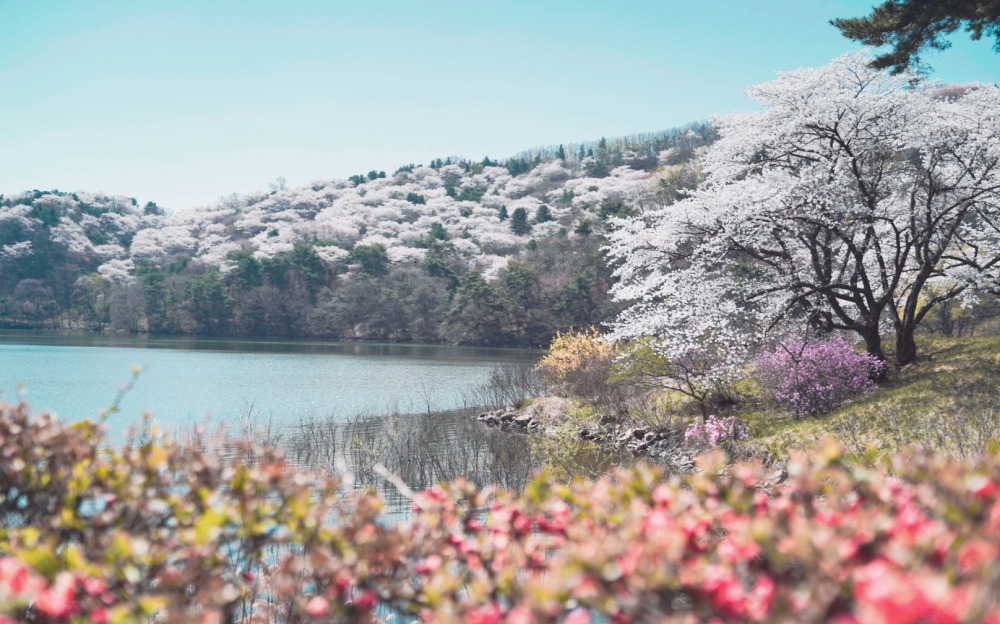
(949, 398)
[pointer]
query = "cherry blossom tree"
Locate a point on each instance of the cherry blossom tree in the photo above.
(842, 205)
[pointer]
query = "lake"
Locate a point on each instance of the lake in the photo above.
(185, 379)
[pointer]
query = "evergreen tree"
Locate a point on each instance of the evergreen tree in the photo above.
(913, 26)
(502, 213)
(373, 259)
(209, 303)
(476, 315)
(438, 232)
(248, 270)
(519, 222)
(543, 214)
(307, 266)
(561, 153)
(435, 266)
(517, 166)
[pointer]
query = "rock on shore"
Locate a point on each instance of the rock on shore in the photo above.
(663, 444)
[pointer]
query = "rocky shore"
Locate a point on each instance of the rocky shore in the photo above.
(663, 445)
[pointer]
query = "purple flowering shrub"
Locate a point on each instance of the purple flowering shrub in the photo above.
(811, 378)
(709, 433)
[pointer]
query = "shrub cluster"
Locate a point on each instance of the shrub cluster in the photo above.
(811, 378)
(579, 364)
(194, 533)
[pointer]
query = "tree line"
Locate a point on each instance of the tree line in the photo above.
(557, 283)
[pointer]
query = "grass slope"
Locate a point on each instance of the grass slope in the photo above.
(949, 399)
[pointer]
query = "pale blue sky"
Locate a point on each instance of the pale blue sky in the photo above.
(183, 102)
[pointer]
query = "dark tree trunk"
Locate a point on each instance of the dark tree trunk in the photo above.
(947, 321)
(906, 347)
(873, 345)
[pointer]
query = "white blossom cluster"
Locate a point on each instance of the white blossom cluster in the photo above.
(340, 214)
(378, 212)
(16, 250)
(90, 224)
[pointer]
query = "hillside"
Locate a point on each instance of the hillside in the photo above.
(502, 253)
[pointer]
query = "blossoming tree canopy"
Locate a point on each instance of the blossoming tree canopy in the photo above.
(399, 212)
(855, 200)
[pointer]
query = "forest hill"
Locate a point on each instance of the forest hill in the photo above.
(502, 253)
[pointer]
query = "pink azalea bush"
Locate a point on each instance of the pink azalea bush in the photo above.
(810, 378)
(709, 433)
(70, 597)
(170, 533)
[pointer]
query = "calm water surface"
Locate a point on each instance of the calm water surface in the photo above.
(186, 379)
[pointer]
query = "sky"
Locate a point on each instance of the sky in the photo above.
(185, 102)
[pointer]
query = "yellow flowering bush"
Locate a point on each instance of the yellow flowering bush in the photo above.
(579, 364)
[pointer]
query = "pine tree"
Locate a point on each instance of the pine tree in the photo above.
(438, 232)
(519, 222)
(543, 214)
(911, 27)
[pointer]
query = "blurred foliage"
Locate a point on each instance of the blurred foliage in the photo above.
(222, 530)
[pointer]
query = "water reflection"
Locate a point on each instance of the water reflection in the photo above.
(421, 449)
(260, 345)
